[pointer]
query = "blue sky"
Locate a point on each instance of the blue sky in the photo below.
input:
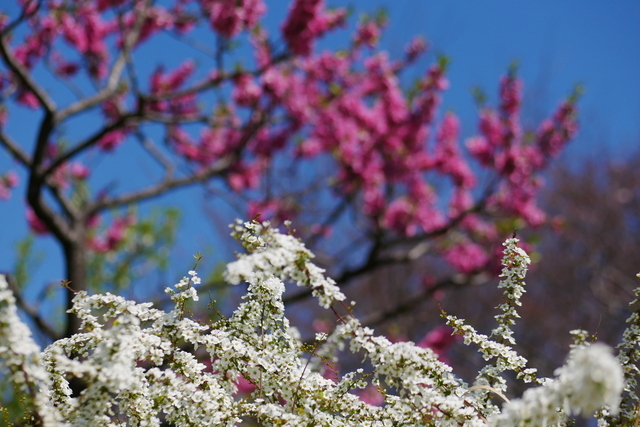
(558, 44)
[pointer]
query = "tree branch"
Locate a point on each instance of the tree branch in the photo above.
(25, 78)
(67, 155)
(419, 248)
(23, 15)
(116, 71)
(220, 167)
(31, 311)
(14, 149)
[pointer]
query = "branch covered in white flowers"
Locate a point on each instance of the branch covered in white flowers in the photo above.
(142, 366)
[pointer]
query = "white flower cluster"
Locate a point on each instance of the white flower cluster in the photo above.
(499, 346)
(141, 366)
(591, 377)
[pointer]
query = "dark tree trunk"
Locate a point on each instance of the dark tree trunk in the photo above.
(76, 274)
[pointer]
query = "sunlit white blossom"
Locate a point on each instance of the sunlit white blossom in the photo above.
(143, 364)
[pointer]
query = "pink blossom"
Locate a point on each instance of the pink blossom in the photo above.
(310, 147)
(74, 33)
(105, 4)
(79, 171)
(269, 210)
(532, 214)
(307, 20)
(112, 139)
(94, 221)
(86, 31)
(215, 143)
(244, 176)
(65, 68)
(60, 176)
(447, 153)
(156, 19)
(321, 230)
(440, 340)
(321, 325)
(28, 99)
(7, 181)
(10, 179)
(461, 201)
(371, 395)
(373, 200)
(490, 127)
(260, 42)
(275, 82)
(183, 143)
(162, 83)
(428, 217)
(245, 387)
(399, 217)
(246, 92)
(183, 21)
(367, 33)
(113, 236)
(36, 225)
(436, 79)
(331, 371)
(510, 94)
(466, 257)
(231, 17)
(553, 134)
(486, 230)
(417, 46)
(480, 148)
(111, 108)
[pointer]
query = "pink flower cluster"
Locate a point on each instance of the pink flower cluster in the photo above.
(69, 172)
(7, 181)
(387, 145)
(501, 146)
(162, 83)
(307, 21)
(229, 18)
(108, 240)
(86, 31)
(246, 91)
(440, 340)
(36, 225)
(113, 236)
(367, 34)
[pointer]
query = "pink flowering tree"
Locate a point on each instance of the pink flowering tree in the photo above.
(330, 140)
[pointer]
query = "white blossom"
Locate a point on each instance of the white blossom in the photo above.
(140, 364)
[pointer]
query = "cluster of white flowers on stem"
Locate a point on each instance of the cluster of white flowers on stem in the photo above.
(141, 366)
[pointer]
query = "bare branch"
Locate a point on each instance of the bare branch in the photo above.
(174, 119)
(412, 303)
(25, 78)
(31, 311)
(73, 88)
(374, 261)
(220, 167)
(64, 202)
(116, 71)
(67, 155)
(155, 190)
(23, 15)
(156, 154)
(14, 149)
(211, 83)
